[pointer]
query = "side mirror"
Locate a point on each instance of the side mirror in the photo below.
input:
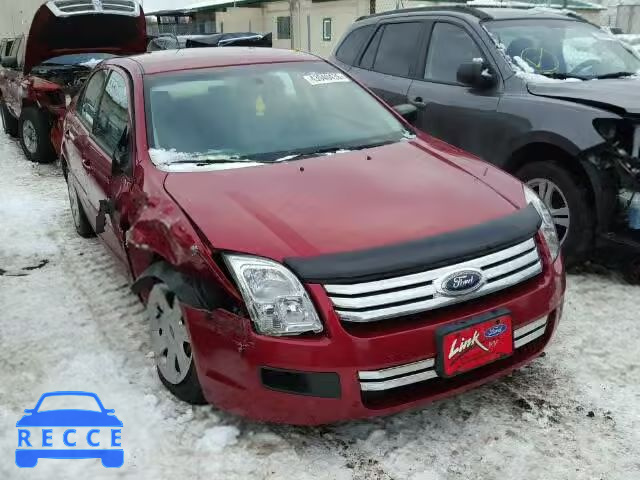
(476, 74)
(10, 62)
(407, 111)
(29, 410)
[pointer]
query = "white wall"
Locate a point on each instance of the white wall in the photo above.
(16, 16)
(305, 14)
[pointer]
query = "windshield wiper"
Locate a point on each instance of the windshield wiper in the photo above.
(614, 75)
(564, 76)
(293, 155)
(211, 160)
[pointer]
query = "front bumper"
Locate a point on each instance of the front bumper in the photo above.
(230, 358)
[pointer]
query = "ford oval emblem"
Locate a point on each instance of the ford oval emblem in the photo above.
(462, 282)
(495, 330)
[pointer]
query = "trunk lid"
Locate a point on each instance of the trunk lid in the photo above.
(62, 27)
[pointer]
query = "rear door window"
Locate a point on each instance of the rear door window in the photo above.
(88, 104)
(396, 54)
(113, 117)
(370, 53)
(450, 46)
(353, 43)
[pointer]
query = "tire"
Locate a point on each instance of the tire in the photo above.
(575, 230)
(80, 221)
(35, 134)
(9, 122)
(172, 346)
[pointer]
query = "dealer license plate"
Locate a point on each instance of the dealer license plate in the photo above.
(472, 344)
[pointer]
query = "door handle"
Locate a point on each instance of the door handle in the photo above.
(87, 163)
(70, 135)
(418, 102)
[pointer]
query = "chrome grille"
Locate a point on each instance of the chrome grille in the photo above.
(408, 294)
(409, 373)
(65, 8)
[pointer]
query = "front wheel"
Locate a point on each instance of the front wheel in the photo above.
(35, 136)
(172, 345)
(567, 199)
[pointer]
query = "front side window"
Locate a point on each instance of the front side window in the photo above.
(450, 46)
(351, 45)
(263, 113)
(563, 49)
(113, 116)
(88, 105)
(397, 51)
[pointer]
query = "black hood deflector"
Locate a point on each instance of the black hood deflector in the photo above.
(418, 255)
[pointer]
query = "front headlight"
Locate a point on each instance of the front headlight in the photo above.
(548, 228)
(277, 302)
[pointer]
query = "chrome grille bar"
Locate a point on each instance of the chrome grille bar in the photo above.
(407, 374)
(409, 294)
(65, 8)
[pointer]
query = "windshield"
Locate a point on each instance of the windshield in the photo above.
(69, 402)
(262, 113)
(563, 49)
(90, 59)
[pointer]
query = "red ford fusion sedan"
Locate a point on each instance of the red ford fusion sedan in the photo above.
(305, 255)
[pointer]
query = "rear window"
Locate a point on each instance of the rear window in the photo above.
(352, 44)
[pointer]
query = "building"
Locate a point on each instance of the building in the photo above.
(16, 15)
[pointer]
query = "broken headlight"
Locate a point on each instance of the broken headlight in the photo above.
(277, 302)
(607, 128)
(548, 228)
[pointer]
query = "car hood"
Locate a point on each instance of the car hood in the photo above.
(344, 202)
(69, 418)
(619, 95)
(54, 32)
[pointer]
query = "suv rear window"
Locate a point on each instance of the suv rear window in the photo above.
(397, 50)
(351, 45)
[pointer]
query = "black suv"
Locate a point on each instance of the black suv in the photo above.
(547, 96)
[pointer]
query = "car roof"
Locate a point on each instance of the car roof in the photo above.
(480, 12)
(194, 58)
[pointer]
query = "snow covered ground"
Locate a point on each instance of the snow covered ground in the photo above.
(69, 322)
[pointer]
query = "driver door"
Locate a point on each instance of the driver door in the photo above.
(458, 114)
(110, 181)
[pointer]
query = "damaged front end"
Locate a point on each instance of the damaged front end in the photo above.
(614, 168)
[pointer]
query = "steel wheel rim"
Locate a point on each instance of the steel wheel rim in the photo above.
(556, 202)
(73, 203)
(29, 136)
(169, 337)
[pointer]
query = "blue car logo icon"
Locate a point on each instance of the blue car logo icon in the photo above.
(495, 330)
(55, 429)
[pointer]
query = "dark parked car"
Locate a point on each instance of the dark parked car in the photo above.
(49, 65)
(238, 39)
(518, 88)
(305, 255)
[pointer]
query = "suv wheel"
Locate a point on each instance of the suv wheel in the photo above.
(568, 202)
(172, 346)
(34, 136)
(9, 122)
